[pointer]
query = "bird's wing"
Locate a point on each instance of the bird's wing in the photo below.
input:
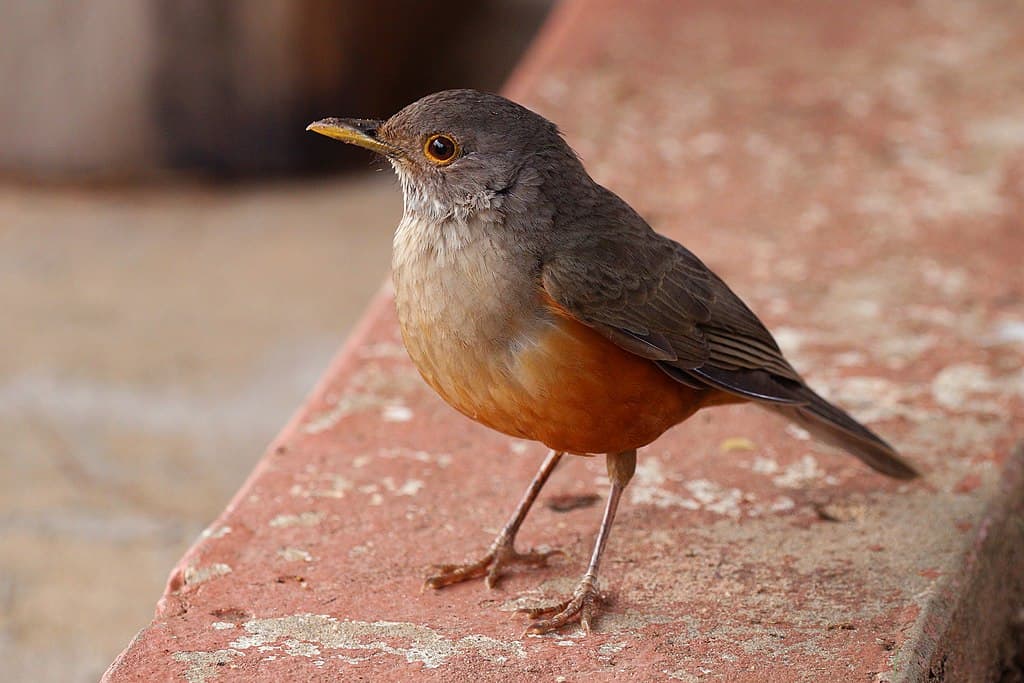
(652, 297)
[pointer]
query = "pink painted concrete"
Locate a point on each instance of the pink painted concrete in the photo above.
(857, 173)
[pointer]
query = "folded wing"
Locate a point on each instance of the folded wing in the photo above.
(654, 298)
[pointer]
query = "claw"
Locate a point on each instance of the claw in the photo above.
(581, 607)
(538, 612)
(490, 566)
(447, 574)
(585, 617)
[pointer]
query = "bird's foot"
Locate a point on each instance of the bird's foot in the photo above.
(581, 607)
(490, 566)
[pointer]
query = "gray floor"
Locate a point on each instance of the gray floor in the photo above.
(152, 342)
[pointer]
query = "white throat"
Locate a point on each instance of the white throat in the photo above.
(463, 209)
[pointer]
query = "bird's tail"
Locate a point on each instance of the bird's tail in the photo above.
(833, 426)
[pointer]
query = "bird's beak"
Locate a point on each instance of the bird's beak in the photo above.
(361, 132)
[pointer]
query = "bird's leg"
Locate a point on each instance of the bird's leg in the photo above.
(582, 606)
(502, 551)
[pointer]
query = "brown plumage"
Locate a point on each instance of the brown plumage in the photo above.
(539, 303)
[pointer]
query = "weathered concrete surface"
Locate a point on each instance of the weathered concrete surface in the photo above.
(857, 173)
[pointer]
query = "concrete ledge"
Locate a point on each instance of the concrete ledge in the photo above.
(857, 173)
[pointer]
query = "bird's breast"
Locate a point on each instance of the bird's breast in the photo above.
(464, 306)
(483, 334)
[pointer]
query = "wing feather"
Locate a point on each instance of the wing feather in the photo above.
(654, 298)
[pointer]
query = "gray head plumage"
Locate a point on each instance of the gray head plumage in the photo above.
(463, 152)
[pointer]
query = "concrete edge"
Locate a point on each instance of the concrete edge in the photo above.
(961, 634)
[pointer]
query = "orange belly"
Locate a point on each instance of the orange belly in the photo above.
(572, 390)
(584, 394)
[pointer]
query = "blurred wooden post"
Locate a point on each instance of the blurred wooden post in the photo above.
(114, 88)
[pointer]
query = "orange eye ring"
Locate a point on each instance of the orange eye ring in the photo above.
(441, 149)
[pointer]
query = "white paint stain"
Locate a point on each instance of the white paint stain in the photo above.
(196, 575)
(329, 418)
(646, 488)
(790, 340)
(303, 519)
(396, 413)
(203, 666)
(1009, 332)
(409, 488)
(219, 532)
(314, 635)
(782, 504)
(798, 433)
(374, 386)
(970, 387)
(295, 555)
(518, 446)
(796, 474)
(299, 648)
(337, 488)
(764, 465)
(956, 384)
(715, 498)
(611, 647)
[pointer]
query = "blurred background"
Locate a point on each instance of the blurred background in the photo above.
(178, 262)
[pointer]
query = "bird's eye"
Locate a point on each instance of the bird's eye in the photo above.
(441, 149)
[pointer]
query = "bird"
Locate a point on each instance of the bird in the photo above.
(539, 303)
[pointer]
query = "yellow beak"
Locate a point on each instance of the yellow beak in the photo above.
(361, 132)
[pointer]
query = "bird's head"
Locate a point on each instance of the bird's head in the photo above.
(461, 152)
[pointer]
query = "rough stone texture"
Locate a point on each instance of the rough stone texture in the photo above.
(857, 173)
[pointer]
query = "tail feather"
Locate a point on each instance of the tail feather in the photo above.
(833, 426)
